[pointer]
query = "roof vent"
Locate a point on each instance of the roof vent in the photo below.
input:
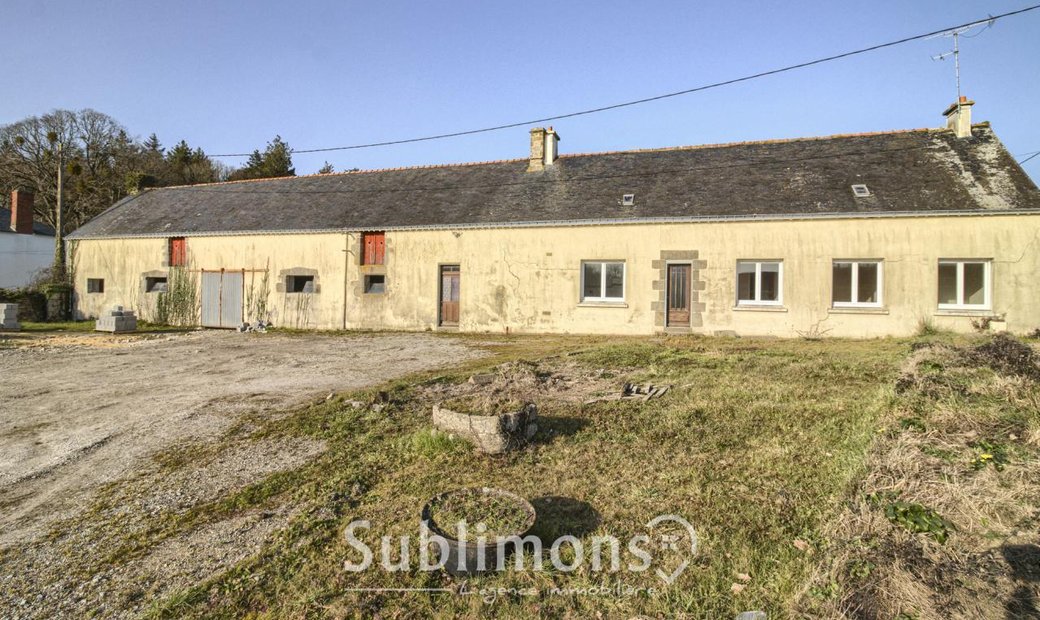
(627, 200)
(860, 191)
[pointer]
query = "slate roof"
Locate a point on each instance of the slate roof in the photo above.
(38, 228)
(924, 170)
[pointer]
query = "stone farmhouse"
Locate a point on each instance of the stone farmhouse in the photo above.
(853, 235)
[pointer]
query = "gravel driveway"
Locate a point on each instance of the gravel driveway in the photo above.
(80, 411)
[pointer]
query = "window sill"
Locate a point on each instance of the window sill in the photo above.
(759, 308)
(857, 310)
(963, 312)
(602, 304)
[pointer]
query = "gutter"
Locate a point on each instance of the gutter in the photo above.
(573, 223)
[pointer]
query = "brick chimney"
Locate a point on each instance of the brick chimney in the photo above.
(22, 211)
(958, 117)
(544, 149)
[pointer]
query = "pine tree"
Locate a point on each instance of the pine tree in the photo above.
(153, 145)
(275, 161)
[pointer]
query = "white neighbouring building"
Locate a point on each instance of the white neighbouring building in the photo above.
(26, 247)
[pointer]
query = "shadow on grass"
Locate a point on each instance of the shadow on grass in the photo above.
(562, 516)
(551, 427)
(1024, 561)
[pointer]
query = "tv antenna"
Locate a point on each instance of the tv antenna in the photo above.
(956, 34)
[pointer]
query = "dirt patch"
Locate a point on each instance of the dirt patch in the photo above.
(77, 340)
(92, 522)
(48, 578)
(75, 416)
(203, 553)
(231, 469)
(508, 386)
(1009, 356)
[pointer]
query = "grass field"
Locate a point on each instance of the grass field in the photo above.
(756, 445)
(801, 464)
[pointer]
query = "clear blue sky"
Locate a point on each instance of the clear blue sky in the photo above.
(228, 76)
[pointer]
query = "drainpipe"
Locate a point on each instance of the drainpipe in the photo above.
(346, 276)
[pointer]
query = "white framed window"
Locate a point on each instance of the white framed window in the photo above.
(856, 283)
(760, 283)
(603, 281)
(964, 284)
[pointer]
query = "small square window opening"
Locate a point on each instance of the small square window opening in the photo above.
(299, 284)
(155, 285)
(375, 285)
(95, 285)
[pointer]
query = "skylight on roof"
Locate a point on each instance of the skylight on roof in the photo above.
(628, 200)
(860, 191)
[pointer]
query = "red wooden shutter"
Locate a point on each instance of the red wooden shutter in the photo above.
(369, 254)
(178, 252)
(374, 248)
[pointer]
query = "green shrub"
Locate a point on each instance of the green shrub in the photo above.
(32, 304)
(179, 305)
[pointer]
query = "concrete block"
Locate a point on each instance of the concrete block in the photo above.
(116, 324)
(9, 317)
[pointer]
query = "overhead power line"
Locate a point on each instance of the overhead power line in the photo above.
(1028, 158)
(625, 104)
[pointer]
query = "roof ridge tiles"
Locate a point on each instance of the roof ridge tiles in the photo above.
(691, 147)
(694, 147)
(353, 172)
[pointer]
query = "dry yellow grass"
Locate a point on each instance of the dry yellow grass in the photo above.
(990, 566)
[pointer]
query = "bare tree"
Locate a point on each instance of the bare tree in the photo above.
(102, 163)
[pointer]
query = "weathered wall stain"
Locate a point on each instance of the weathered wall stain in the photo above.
(528, 279)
